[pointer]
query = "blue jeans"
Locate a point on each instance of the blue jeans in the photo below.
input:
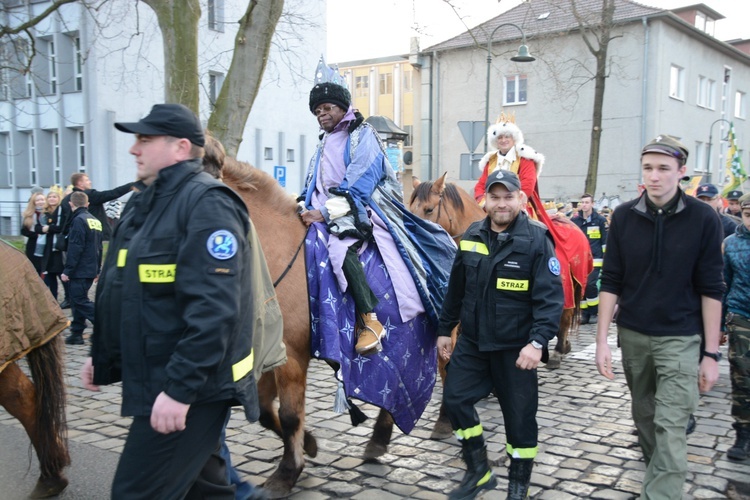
(244, 488)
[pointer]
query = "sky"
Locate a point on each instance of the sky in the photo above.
(379, 28)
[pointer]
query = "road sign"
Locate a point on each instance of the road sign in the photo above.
(473, 133)
(279, 173)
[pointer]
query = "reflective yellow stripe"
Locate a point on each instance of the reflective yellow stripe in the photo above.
(94, 224)
(242, 367)
(485, 478)
(474, 246)
(592, 302)
(471, 432)
(598, 262)
(593, 232)
(521, 452)
(157, 273)
(584, 305)
(513, 285)
(122, 256)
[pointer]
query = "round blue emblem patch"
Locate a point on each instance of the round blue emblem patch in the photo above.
(222, 245)
(554, 266)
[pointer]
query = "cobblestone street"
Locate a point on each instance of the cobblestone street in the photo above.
(586, 447)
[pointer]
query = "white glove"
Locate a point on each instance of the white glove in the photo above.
(337, 207)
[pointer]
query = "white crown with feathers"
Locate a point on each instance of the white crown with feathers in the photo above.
(506, 125)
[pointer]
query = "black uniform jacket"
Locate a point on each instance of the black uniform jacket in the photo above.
(174, 304)
(506, 292)
(595, 231)
(97, 199)
(84, 257)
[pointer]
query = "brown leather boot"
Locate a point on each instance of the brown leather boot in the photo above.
(369, 335)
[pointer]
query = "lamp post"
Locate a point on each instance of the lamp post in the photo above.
(708, 153)
(522, 56)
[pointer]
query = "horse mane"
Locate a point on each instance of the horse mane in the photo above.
(422, 193)
(243, 178)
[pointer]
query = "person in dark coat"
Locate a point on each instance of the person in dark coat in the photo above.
(34, 228)
(52, 261)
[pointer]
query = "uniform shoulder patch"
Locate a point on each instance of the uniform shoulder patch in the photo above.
(554, 266)
(222, 245)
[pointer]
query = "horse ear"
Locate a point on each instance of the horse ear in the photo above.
(415, 181)
(439, 185)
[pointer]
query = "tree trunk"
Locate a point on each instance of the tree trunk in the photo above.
(178, 21)
(243, 79)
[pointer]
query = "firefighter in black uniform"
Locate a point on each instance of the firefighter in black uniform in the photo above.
(506, 291)
(594, 226)
(174, 315)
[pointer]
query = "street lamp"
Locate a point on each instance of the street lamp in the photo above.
(708, 153)
(522, 56)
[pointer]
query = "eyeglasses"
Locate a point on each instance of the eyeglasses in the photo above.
(325, 109)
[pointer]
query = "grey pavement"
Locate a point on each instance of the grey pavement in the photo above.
(586, 445)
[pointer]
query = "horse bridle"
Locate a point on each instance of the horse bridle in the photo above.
(456, 237)
(291, 263)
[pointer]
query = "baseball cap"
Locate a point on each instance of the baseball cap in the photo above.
(734, 195)
(707, 190)
(745, 201)
(504, 177)
(667, 145)
(175, 120)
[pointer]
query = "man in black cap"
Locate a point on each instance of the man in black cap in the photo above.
(664, 270)
(169, 323)
(709, 193)
(506, 291)
(733, 201)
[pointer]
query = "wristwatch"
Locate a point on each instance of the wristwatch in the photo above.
(536, 345)
(716, 356)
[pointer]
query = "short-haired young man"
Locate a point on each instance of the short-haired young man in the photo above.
(664, 269)
(594, 226)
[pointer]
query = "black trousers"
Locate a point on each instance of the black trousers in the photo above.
(591, 295)
(364, 299)
(184, 464)
(472, 375)
(81, 305)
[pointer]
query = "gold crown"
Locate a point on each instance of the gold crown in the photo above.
(506, 118)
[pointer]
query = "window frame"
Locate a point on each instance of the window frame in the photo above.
(517, 79)
(677, 88)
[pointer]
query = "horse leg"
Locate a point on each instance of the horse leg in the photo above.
(291, 381)
(381, 436)
(563, 346)
(18, 397)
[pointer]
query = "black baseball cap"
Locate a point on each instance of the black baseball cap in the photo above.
(734, 194)
(707, 191)
(504, 177)
(174, 120)
(667, 145)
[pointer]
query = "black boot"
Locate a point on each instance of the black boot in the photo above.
(741, 448)
(74, 339)
(585, 317)
(519, 477)
(479, 476)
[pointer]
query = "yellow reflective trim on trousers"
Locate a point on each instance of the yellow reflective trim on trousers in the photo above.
(157, 273)
(513, 285)
(584, 305)
(122, 257)
(598, 262)
(474, 246)
(523, 453)
(469, 433)
(485, 478)
(242, 367)
(592, 302)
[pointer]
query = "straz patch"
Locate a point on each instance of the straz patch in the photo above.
(157, 273)
(513, 285)
(94, 224)
(594, 232)
(222, 245)
(554, 266)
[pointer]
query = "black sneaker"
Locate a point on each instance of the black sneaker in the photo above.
(74, 339)
(690, 425)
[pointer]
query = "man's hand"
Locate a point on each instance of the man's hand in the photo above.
(529, 358)
(87, 375)
(604, 360)
(708, 374)
(168, 415)
(445, 347)
(64, 277)
(310, 216)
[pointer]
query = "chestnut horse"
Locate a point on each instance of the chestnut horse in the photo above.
(454, 209)
(39, 406)
(281, 233)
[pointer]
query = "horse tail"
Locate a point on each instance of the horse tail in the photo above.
(51, 427)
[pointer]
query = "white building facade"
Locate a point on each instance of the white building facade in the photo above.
(95, 67)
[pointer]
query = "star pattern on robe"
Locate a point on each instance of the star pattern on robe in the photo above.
(360, 362)
(331, 300)
(385, 391)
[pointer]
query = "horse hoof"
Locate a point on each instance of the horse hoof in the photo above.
(567, 347)
(49, 487)
(442, 429)
(310, 445)
(374, 450)
(279, 485)
(554, 361)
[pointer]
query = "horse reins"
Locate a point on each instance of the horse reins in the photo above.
(291, 263)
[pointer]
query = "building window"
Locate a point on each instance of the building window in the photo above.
(740, 104)
(514, 91)
(81, 151)
(361, 86)
(9, 161)
(386, 83)
(32, 160)
(52, 68)
(4, 83)
(677, 83)
(29, 81)
(700, 157)
(78, 63)
(289, 155)
(407, 81)
(704, 23)
(268, 153)
(215, 81)
(216, 15)
(706, 93)
(56, 162)
(409, 141)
